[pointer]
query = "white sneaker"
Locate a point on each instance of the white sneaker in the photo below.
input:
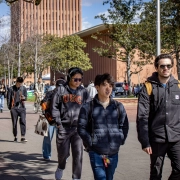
(58, 174)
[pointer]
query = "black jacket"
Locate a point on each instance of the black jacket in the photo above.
(2, 90)
(158, 115)
(66, 104)
(109, 130)
(13, 94)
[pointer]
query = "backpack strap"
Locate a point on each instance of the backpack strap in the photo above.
(148, 87)
(117, 107)
(90, 117)
(179, 84)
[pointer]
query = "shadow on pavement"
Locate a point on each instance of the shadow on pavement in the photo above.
(5, 140)
(29, 166)
(5, 118)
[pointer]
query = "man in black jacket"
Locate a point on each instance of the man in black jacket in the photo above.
(16, 96)
(103, 127)
(67, 101)
(158, 118)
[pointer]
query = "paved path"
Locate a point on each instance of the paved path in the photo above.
(20, 161)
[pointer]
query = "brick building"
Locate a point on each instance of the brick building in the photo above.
(103, 64)
(57, 17)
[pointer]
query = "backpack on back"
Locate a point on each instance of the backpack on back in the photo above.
(45, 105)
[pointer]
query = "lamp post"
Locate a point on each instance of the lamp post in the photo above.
(158, 29)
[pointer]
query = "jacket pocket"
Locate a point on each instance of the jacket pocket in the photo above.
(116, 138)
(175, 98)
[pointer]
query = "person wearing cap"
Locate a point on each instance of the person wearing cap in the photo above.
(66, 105)
(46, 147)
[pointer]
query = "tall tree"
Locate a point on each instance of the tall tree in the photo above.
(33, 59)
(170, 27)
(123, 32)
(66, 52)
(7, 53)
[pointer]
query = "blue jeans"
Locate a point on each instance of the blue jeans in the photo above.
(47, 142)
(100, 171)
(1, 101)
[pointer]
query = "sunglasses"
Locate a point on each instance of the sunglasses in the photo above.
(77, 79)
(163, 66)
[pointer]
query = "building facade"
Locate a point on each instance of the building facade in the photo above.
(116, 68)
(55, 17)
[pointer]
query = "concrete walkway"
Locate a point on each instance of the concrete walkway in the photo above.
(20, 161)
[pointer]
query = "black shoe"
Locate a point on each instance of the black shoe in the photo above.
(15, 139)
(1, 111)
(23, 140)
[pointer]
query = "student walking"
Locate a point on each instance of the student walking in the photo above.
(158, 114)
(67, 102)
(2, 96)
(39, 90)
(91, 90)
(103, 127)
(46, 148)
(16, 96)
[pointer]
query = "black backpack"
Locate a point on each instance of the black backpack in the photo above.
(45, 105)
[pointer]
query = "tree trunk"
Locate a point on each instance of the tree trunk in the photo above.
(5, 80)
(35, 65)
(128, 70)
(12, 73)
(178, 64)
(19, 59)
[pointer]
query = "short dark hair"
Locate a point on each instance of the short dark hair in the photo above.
(72, 71)
(19, 79)
(163, 56)
(99, 79)
(53, 83)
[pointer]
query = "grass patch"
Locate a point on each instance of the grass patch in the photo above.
(31, 98)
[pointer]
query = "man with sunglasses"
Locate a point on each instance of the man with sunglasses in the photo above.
(66, 105)
(158, 118)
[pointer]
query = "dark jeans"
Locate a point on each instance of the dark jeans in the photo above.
(99, 170)
(21, 113)
(65, 138)
(159, 151)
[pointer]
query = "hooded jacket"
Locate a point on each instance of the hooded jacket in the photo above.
(158, 115)
(109, 129)
(92, 90)
(66, 105)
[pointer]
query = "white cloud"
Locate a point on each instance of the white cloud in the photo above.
(4, 29)
(90, 2)
(86, 24)
(105, 12)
